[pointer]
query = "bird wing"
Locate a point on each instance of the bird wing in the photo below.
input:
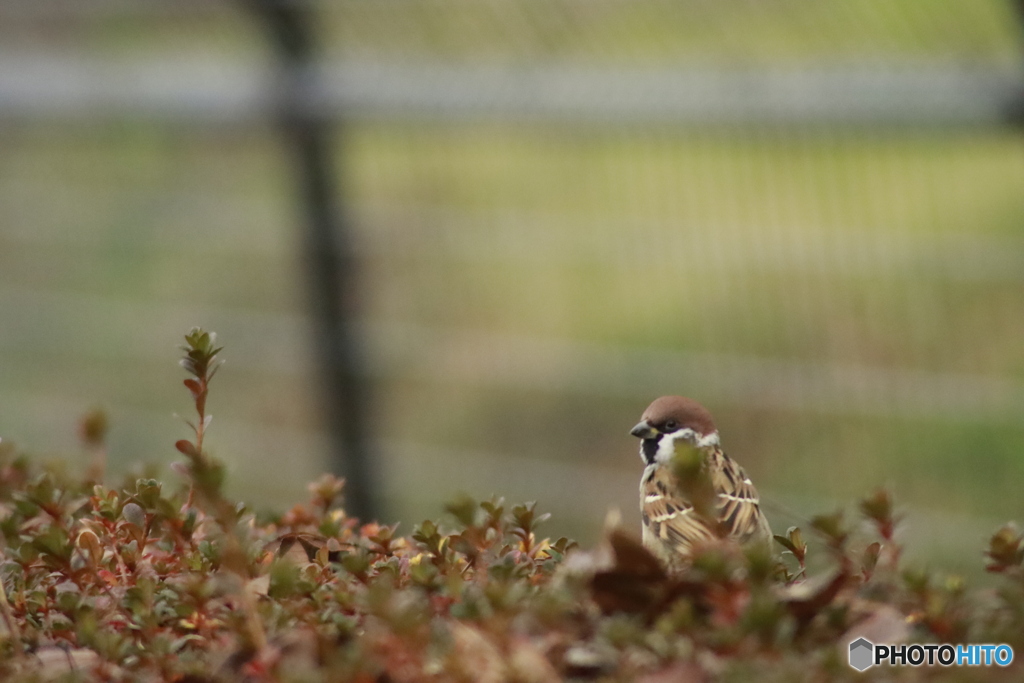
(667, 517)
(739, 504)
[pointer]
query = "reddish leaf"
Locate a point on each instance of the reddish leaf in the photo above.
(194, 386)
(186, 447)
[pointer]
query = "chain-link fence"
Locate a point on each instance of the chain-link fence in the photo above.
(808, 216)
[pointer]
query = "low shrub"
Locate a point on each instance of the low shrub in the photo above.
(145, 583)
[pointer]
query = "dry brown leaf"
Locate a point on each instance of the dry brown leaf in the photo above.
(635, 583)
(302, 548)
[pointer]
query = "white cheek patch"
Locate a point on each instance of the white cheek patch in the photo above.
(709, 440)
(667, 443)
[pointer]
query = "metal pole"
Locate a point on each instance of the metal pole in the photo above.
(1016, 114)
(329, 257)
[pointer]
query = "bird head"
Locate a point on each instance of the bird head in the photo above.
(670, 419)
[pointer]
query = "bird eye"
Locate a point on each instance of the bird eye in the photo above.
(671, 425)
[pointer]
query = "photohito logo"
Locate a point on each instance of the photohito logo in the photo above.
(865, 654)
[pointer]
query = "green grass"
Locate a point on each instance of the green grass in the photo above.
(670, 31)
(598, 31)
(818, 247)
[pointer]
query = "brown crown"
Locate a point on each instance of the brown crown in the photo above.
(684, 411)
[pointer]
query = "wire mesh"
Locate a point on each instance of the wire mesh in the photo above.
(807, 216)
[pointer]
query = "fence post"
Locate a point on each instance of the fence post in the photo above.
(1016, 114)
(327, 249)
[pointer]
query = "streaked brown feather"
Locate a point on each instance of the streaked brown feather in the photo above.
(673, 529)
(739, 504)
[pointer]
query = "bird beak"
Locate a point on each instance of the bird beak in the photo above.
(644, 430)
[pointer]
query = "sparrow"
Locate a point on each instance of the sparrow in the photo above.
(672, 528)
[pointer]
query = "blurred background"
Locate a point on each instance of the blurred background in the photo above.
(809, 216)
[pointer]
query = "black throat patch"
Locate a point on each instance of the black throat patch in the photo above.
(649, 447)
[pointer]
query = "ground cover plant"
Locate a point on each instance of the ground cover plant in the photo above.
(162, 581)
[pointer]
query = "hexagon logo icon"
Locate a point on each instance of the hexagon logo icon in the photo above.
(862, 653)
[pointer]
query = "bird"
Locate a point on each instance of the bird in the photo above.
(673, 528)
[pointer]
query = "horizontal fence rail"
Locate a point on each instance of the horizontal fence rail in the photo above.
(199, 89)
